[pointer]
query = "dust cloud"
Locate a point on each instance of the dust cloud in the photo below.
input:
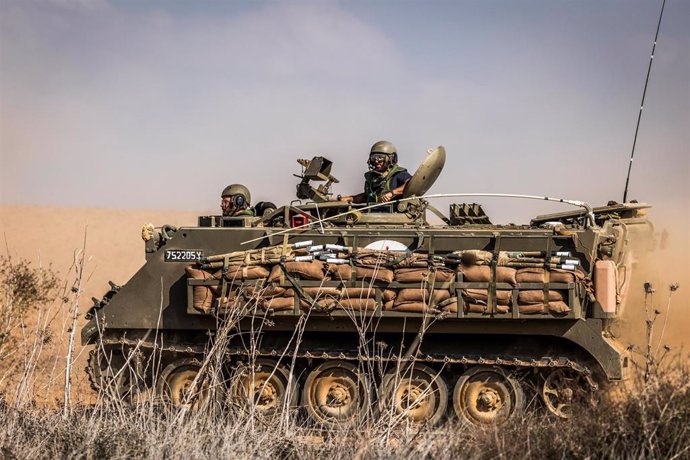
(664, 265)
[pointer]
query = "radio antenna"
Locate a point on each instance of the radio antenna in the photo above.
(644, 93)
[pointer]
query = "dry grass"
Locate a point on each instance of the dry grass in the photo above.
(654, 423)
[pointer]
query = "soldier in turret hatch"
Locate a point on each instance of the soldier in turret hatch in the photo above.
(385, 180)
(235, 201)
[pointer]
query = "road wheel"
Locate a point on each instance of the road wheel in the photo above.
(112, 374)
(335, 393)
(487, 395)
(183, 386)
(418, 394)
(263, 388)
(564, 389)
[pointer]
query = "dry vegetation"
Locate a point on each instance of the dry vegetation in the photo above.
(650, 419)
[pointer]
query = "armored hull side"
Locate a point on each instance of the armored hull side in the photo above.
(154, 312)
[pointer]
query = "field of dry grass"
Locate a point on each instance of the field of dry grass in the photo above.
(651, 423)
(644, 420)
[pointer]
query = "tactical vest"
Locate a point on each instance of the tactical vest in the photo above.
(375, 185)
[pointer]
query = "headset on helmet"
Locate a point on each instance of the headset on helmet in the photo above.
(239, 193)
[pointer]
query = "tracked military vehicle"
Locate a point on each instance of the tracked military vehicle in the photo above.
(347, 311)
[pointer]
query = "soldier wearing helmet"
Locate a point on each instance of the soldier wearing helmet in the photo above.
(235, 201)
(385, 180)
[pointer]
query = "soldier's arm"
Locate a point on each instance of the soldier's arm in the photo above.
(397, 191)
(359, 198)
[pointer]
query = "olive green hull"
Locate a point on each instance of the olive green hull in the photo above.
(155, 302)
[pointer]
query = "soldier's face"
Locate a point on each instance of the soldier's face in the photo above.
(378, 162)
(226, 204)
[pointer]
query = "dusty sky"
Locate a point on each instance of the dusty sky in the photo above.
(161, 104)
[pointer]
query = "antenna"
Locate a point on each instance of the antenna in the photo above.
(644, 93)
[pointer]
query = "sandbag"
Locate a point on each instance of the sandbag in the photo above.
(265, 291)
(531, 308)
(359, 293)
(482, 274)
(538, 275)
(314, 270)
(202, 298)
(555, 307)
(288, 303)
(471, 257)
(228, 302)
(322, 303)
(421, 295)
(413, 307)
(198, 274)
(478, 308)
(418, 275)
(251, 272)
(278, 303)
(537, 296)
(389, 294)
(340, 272)
(481, 296)
(321, 291)
(357, 304)
(561, 308)
(451, 306)
(376, 274)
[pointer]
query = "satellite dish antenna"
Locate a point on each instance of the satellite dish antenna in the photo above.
(426, 173)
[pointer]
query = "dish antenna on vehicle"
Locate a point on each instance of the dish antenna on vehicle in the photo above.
(426, 173)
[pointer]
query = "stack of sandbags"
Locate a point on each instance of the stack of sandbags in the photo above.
(473, 306)
(476, 300)
(482, 274)
(312, 270)
(339, 272)
(535, 301)
(424, 275)
(203, 296)
(538, 275)
(383, 275)
(325, 298)
(246, 272)
(414, 300)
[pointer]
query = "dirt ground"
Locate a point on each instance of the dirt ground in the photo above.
(52, 236)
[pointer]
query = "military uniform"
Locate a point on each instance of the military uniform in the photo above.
(249, 212)
(376, 185)
(385, 180)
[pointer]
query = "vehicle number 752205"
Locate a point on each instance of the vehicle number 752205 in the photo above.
(183, 255)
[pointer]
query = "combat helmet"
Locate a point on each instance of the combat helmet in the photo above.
(240, 193)
(385, 149)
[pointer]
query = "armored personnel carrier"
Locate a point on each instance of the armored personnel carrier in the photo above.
(348, 311)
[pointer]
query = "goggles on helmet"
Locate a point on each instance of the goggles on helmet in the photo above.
(376, 157)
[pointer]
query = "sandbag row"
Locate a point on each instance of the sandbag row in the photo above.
(260, 283)
(555, 307)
